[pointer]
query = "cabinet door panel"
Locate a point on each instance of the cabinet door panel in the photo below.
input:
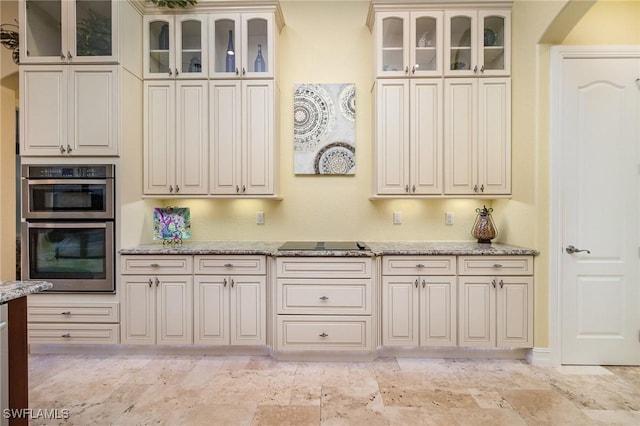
(460, 135)
(257, 155)
(515, 312)
(248, 310)
(225, 136)
(392, 42)
(477, 304)
(438, 311)
(138, 313)
(426, 137)
(400, 311)
(159, 136)
(211, 310)
(174, 312)
(192, 137)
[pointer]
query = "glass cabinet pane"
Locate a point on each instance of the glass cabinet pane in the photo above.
(426, 44)
(160, 41)
(93, 28)
(460, 43)
(191, 46)
(44, 28)
(226, 46)
(257, 45)
(494, 43)
(392, 44)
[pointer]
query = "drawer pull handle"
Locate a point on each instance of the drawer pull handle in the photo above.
(232, 283)
(497, 265)
(154, 265)
(420, 265)
(323, 335)
(324, 298)
(493, 283)
(65, 313)
(501, 284)
(66, 335)
(150, 282)
(157, 281)
(228, 265)
(224, 282)
(416, 283)
(424, 283)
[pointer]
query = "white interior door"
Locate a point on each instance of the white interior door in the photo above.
(599, 200)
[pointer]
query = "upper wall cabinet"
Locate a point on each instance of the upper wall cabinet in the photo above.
(241, 45)
(175, 46)
(477, 42)
(62, 31)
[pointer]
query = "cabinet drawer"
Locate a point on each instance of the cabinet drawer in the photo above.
(74, 333)
(419, 265)
(225, 265)
(73, 312)
(145, 265)
(324, 332)
(495, 265)
(324, 296)
(323, 267)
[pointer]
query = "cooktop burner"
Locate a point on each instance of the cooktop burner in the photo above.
(324, 245)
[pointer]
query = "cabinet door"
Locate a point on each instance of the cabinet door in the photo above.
(191, 46)
(400, 311)
(138, 310)
(494, 39)
(426, 43)
(392, 44)
(93, 31)
(225, 136)
(515, 312)
(257, 45)
(211, 310)
(461, 41)
(438, 313)
(158, 40)
(258, 137)
(425, 153)
(174, 312)
(42, 23)
(94, 110)
(159, 137)
(43, 110)
(225, 56)
(494, 135)
(477, 311)
(248, 310)
(192, 137)
(392, 137)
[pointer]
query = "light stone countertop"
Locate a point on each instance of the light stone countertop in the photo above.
(377, 248)
(10, 290)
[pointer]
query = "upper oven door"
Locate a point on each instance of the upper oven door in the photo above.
(67, 198)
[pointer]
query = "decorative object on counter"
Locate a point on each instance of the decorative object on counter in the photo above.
(231, 54)
(483, 228)
(163, 38)
(259, 65)
(171, 224)
(11, 40)
(324, 128)
(172, 4)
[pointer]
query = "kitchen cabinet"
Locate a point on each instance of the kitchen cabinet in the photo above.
(496, 306)
(176, 139)
(69, 32)
(69, 110)
(419, 301)
(175, 46)
(230, 300)
(242, 137)
(477, 136)
(242, 45)
(157, 300)
(477, 42)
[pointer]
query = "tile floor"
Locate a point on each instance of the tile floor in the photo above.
(246, 390)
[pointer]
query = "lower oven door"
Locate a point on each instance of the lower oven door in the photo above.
(77, 257)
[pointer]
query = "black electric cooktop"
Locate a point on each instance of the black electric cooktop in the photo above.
(324, 245)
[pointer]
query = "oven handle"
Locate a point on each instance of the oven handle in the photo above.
(67, 181)
(66, 225)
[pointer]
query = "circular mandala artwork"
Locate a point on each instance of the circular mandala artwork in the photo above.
(313, 116)
(337, 158)
(347, 102)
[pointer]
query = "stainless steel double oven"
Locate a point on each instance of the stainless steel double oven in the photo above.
(68, 227)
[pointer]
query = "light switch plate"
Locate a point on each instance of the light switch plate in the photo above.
(397, 218)
(260, 218)
(448, 218)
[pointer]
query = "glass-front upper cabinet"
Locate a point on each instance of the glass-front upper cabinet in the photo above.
(79, 31)
(242, 45)
(175, 46)
(408, 44)
(477, 43)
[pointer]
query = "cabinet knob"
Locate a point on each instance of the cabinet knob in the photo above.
(69, 149)
(420, 265)
(62, 149)
(406, 69)
(323, 334)
(232, 283)
(237, 71)
(243, 71)
(493, 283)
(413, 188)
(224, 282)
(170, 188)
(482, 188)
(406, 188)
(413, 69)
(244, 189)
(177, 188)
(150, 282)
(237, 189)
(324, 298)
(154, 265)
(157, 281)
(69, 56)
(475, 188)
(228, 265)
(497, 265)
(66, 335)
(501, 284)
(170, 72)
(62, 56)
(65, 313)
(475, 69)
(424, 283)
(177, 72)
(416, 283)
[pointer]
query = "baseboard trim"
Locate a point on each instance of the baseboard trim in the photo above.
(453, 352)
(40, 349)
(540, 357)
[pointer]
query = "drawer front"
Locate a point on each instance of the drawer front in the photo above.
(226, 265)
(419, 265)
(495, 265)
(323, 267)
(324, 296)
(73, 312)
(324, 333)
(147, 265)
(90, 334)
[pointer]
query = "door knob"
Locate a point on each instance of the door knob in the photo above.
(572, 249)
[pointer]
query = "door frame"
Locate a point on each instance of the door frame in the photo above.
(558, 55)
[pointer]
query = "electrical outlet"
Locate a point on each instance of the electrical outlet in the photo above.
(397, 218)
(260, 218)
(448, 218)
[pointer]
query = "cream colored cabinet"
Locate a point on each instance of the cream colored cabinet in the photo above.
(176, 137)
(69, 110)
(175, 46)
(409, 44)
(496, 308)
(68, 32)
(157, 300)
(477, 136)
(230, 300)
(419, 301)
(242, 45)
(242, 137)
(477, 42)
(408, 137)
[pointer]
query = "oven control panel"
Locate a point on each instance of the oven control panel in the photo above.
(68, 172)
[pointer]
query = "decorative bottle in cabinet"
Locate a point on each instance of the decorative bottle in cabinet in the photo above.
(231, 54)
(259, 65)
